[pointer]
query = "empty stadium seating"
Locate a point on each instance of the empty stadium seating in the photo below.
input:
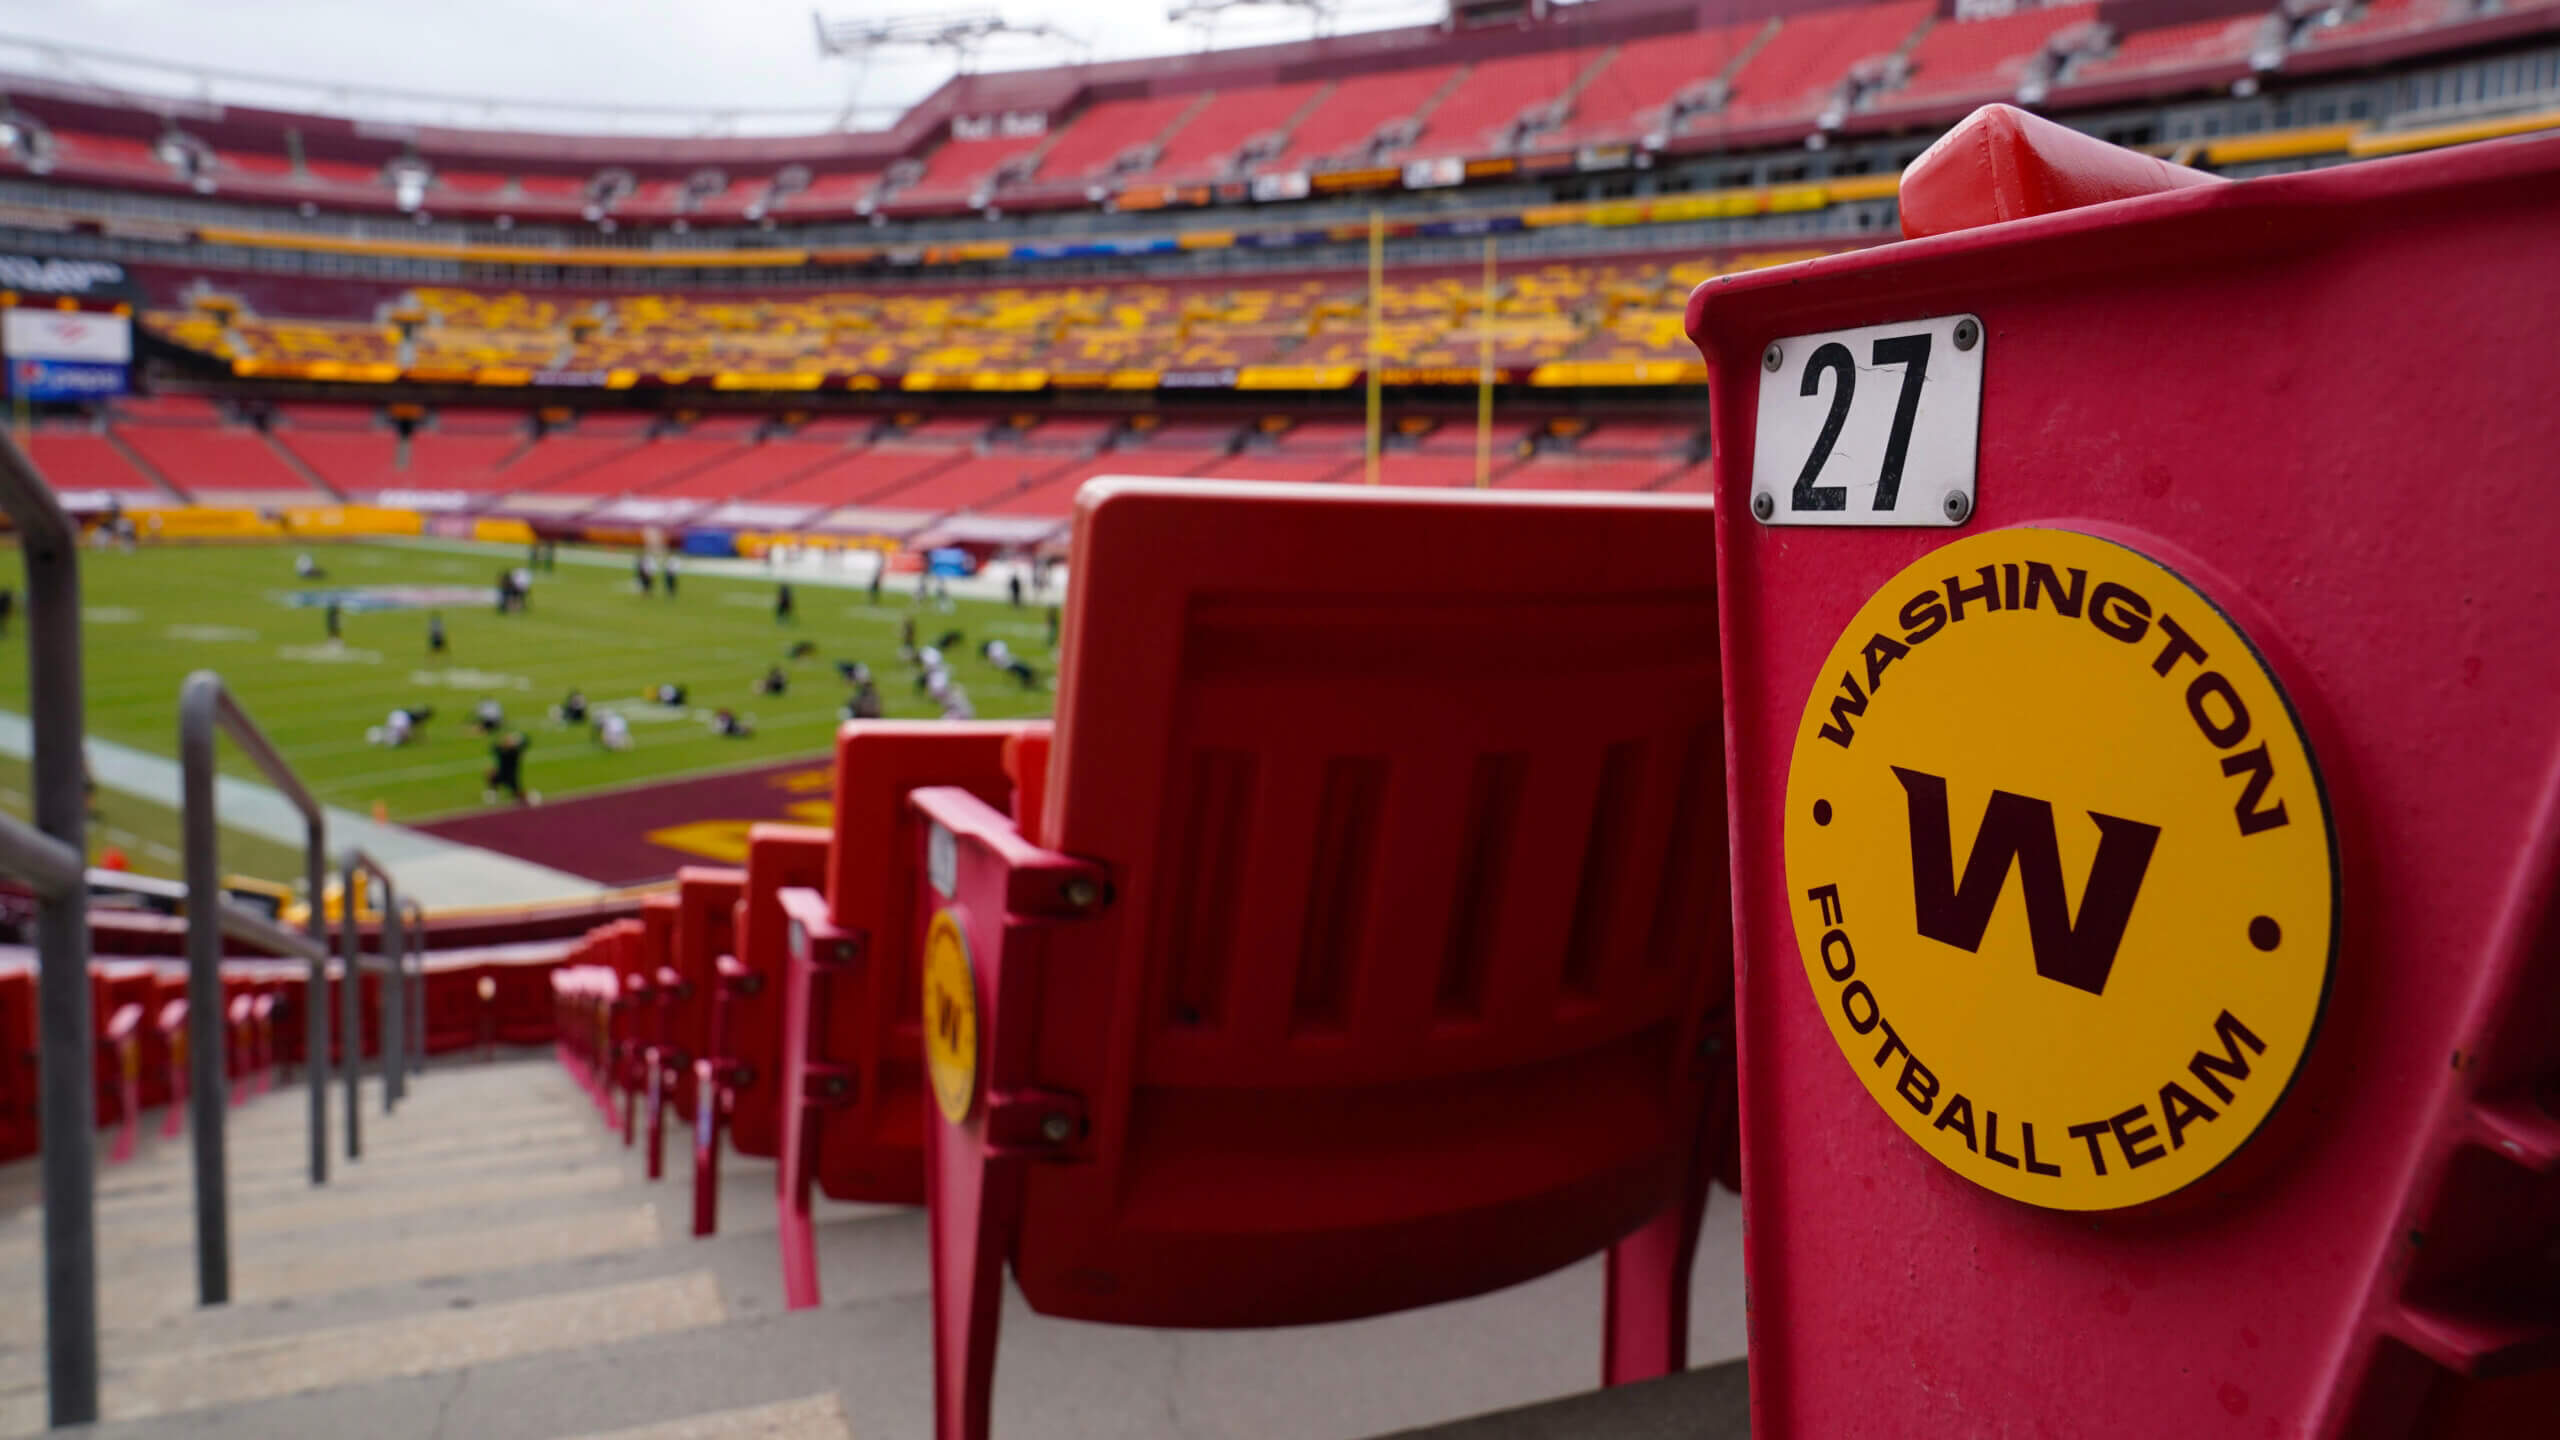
(1208, 142)
(1103, 134)
(1341, 126)
(2198, 45)
(957, 171)
(347, 448)
(1477, 116)
(1799, 69)
(78, 460)
(1982, 59)
(737, 1084)
(1266, 795)
(218, 463)
(853, 1083)
(463, 460)
(1631, 95)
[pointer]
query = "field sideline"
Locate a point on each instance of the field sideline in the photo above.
(154, 615)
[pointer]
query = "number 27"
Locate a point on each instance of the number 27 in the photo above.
(1911, 352)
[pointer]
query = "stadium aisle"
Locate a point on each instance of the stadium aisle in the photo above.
(497, 1267)
(435, 872)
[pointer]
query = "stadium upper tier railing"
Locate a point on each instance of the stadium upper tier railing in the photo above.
(1612, 92)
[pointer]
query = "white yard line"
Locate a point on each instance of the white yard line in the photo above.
(438, 873)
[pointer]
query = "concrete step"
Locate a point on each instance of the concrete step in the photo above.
(498, 1266)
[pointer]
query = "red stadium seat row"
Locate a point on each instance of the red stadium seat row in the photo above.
(1361, 935)
(138, 1012)
(1581, 994)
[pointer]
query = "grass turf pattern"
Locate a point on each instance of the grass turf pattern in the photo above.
(154, 615)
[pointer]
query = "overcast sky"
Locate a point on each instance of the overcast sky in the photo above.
(705, 54)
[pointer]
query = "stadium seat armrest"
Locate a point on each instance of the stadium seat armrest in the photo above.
(815, 937)
(124, 1024)
(1039, 881)
(736, 978)
(173, 1017)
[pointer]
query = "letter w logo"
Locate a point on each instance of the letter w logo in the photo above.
(2020, 829)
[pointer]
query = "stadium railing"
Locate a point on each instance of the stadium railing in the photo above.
(2321, 1083)
(51, 855)
(229, 1014)
(1367, 950)
(852, 1041)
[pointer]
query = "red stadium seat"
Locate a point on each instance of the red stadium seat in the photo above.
(738, 1078)
(19, 1102)
(1364, 954)
(852, 1056)
(706, 939)
(122, 1047)
(663, 1060)
(2290, 715)
(168, 1033)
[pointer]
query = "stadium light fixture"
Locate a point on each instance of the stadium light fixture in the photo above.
(1204, 16)
(963, 34)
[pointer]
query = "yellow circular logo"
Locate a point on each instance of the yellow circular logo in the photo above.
(950, 1017)
(2061, 869)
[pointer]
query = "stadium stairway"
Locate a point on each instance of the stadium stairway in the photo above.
(497, 1266)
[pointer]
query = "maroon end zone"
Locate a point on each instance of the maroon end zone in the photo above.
(640, 833)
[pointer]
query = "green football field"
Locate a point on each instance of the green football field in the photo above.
(154, 615)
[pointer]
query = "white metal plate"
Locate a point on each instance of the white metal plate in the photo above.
(942, 861)
(1872, 426)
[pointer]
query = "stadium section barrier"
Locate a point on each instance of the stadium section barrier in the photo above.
(1247, 1032)
(2233, 626)
(852, 1043)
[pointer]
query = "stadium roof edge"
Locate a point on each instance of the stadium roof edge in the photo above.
(1046, 89)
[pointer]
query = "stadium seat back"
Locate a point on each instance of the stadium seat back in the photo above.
(19, 1101)
(705, 929)
(871, 1143)
(2241, 651)
(1384, 838)
(779, 857)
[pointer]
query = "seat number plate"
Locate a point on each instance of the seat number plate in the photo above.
(1872, 426)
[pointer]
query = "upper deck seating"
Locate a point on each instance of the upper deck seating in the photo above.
(1630, 97)
(1341, 126)
(1791, 78)
(1208, 143)
(1107, 131)
(1477, 115)
(1985, 59)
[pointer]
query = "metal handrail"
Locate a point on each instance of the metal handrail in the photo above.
(351, 991)
(416, 915)
(205, 710)
(56, 868)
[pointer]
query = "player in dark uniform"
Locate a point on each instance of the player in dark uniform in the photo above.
(774, 681)
(506, 769)
(785, 609)
(435, 632)
(331, 616)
